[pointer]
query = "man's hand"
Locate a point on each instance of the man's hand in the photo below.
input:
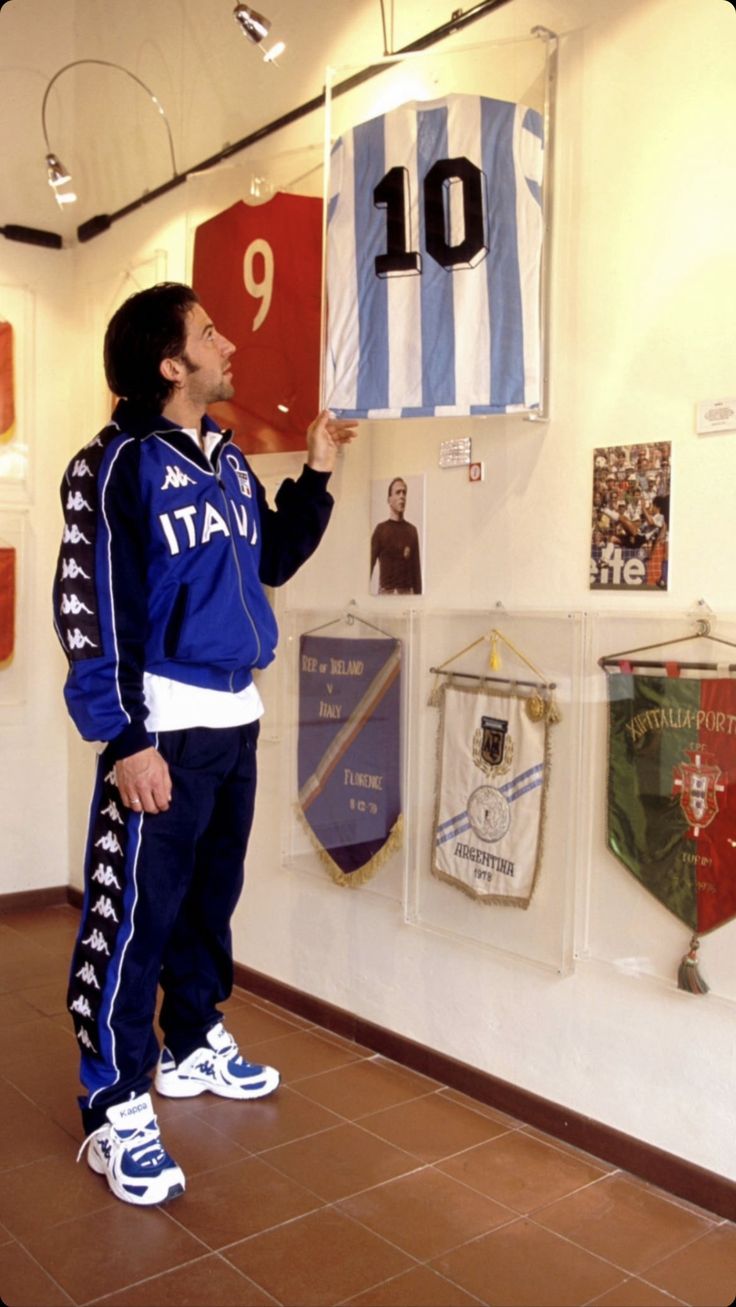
(324, 438)
(144, 781)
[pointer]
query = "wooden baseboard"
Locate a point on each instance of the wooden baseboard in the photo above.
(34, 898)
(665, 1170)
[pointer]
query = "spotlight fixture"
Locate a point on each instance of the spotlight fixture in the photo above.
(58, 175)
(256, 28)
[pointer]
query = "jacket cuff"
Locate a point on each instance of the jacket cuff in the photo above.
(134, 738)
(316, 480)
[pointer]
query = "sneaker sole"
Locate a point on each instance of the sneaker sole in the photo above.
(170, 1085)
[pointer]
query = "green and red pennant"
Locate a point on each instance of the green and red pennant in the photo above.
(672, 791)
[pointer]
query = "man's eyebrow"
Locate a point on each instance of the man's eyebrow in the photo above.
(208, 326)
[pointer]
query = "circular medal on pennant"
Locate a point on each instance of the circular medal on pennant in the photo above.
(535, 707)
(489, 813)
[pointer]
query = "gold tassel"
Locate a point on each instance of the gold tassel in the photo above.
(494, 660)
(688, 974)
(553, 710)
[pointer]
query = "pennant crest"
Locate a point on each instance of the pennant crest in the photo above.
(697, 784)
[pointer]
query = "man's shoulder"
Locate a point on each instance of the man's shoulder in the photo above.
(92, 458)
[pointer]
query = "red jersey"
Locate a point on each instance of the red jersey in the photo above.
(7, 400)
(258, 272)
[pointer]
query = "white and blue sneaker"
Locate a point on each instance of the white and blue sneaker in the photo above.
(129, 1153)
(217, 1067)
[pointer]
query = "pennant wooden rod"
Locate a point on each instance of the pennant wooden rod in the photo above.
(501, 680)
(641, 662)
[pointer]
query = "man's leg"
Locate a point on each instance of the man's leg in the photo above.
(197, 971)
(137, 872)
(137, 868)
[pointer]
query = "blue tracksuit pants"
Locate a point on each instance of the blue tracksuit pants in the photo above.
(160, 891)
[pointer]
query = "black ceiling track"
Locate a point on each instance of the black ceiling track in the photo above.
(103, 221)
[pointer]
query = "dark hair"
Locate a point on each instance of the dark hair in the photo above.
(149, 327)
(395, 482)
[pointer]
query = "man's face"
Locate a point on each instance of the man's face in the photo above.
(397, 499)
(206, 358)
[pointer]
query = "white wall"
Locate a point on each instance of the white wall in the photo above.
(644, 274)
(643, 278)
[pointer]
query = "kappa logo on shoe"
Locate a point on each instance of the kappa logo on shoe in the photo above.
(134, 1108)
(176, 479)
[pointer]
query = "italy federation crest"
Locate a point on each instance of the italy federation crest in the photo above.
(671, 799)
(494, 767)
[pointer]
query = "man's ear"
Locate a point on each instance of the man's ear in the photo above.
(171, 370)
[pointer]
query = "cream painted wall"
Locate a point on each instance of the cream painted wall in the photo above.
(641, 332)
(643, 276)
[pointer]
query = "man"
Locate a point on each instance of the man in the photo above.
(395, 547)
(159, 604)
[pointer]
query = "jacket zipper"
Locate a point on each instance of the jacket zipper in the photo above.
(233, 546)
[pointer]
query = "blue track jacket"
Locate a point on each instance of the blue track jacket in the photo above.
(162, 566)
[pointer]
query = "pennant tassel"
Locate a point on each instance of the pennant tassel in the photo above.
(689, 977)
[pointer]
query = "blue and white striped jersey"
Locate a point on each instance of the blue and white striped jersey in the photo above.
(434, 239)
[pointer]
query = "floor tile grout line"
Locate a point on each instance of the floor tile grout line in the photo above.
(676, 1302)
(626, 1270)
(149, 1279)
(445, 1157)
(347, 1302)
(712, 1222)
(45, 1270)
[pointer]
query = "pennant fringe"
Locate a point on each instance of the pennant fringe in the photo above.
(355, 879)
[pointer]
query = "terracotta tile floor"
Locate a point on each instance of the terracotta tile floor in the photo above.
(359, 1182)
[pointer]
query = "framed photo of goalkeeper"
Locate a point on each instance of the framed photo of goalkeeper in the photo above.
(631, 517)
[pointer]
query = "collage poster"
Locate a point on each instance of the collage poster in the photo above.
(631, 517)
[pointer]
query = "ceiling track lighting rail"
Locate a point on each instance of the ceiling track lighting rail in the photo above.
(103, 221)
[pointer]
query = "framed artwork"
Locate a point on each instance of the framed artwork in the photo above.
(13, 562)
(16, 371)
(397, 536)
(630, 524)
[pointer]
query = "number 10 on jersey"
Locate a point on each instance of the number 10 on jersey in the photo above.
(453, 195)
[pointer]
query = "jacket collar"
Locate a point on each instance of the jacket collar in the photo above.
(141, 423)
